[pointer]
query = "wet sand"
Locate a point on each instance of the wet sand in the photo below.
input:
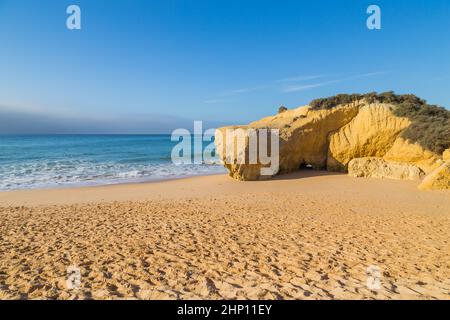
(309, 235)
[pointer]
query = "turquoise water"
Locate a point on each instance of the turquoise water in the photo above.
(46, 161)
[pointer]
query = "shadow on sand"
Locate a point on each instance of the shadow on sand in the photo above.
(306, 173)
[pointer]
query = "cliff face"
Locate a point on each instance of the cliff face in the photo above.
(371, 133)
(304, 139)
(329, 138)
(374, 167)
(438, 179)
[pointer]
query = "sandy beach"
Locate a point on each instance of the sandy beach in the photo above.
(308, 235)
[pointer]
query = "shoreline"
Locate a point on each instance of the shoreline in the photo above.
(117, 182)
(304, 181)
(33, 197)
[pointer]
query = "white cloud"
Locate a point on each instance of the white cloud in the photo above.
(307, 86)
(325, 83)
(301, 78)
(293, 87)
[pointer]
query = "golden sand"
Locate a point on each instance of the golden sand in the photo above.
(303, 236)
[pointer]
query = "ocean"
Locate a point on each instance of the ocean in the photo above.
(48, 161)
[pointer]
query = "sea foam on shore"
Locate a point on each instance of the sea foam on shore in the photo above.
(45, 161)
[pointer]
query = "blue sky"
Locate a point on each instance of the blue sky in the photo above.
(220, 61)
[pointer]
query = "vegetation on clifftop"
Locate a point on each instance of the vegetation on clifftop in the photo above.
(282, 109)
(430, 124)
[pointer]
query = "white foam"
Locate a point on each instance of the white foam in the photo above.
(39, 174)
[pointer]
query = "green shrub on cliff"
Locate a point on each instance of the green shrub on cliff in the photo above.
(282, 109)
(371, 97)
(430, 124)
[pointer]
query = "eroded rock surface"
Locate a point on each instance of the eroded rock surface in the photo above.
(371, 133)
(439, 179)
(373, 167)
(330, 138)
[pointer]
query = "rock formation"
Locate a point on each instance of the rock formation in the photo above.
(373, 167)
(439, 179)
(446, 155)
(372, 132)
(406, 135)
(404, 151)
